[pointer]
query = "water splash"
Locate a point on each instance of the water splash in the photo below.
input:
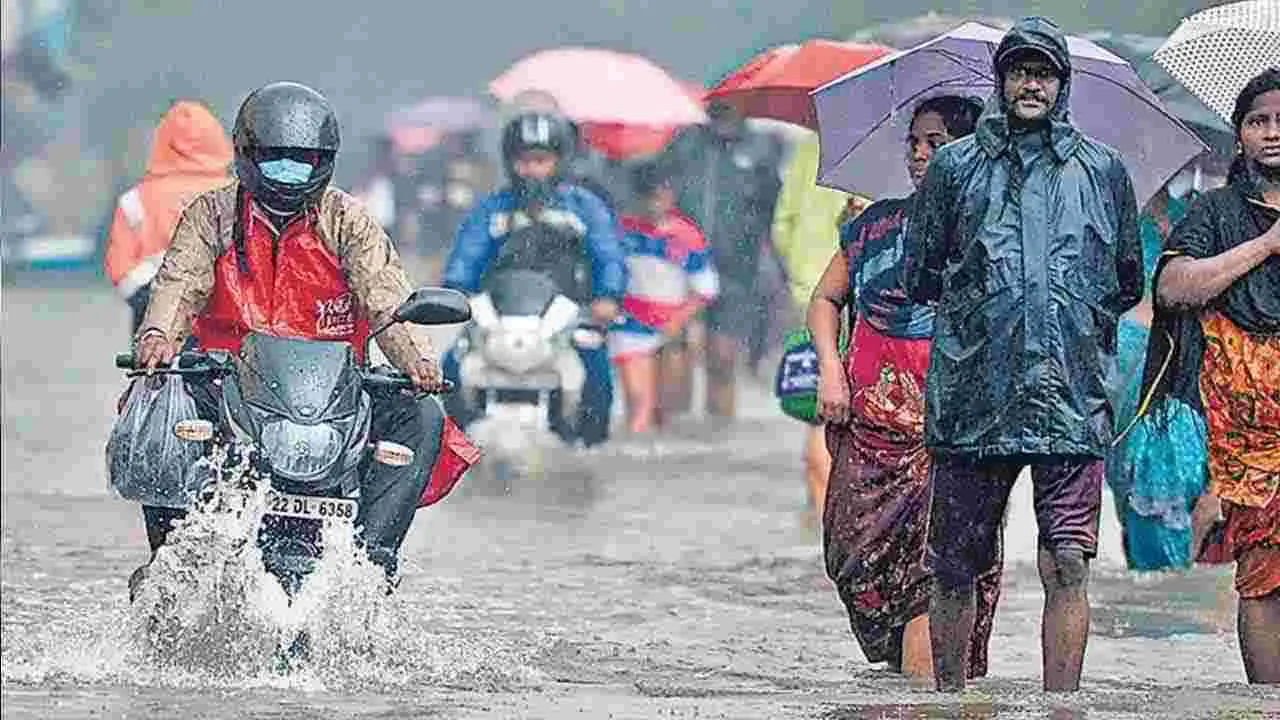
(210, 615)
(516, 435)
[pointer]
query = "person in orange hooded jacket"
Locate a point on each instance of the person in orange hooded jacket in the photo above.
(190, 154)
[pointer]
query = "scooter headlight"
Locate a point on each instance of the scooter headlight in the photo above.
(517, 349)
(302, 451)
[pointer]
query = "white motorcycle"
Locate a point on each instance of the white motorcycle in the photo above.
(519, 369)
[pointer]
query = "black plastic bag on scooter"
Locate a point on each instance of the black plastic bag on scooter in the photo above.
(147, 462)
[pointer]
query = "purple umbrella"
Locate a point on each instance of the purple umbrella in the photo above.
(863, 117)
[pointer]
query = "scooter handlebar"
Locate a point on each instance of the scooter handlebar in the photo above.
(195, 362)
(190, 362)
(387, 378)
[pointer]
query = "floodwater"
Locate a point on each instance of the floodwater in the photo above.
(659, 579)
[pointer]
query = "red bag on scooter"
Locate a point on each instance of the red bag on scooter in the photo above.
(457, 454)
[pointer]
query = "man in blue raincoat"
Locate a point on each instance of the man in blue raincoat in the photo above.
(542, 222)
(1025, 236)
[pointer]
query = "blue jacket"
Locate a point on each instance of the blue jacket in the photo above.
(482, 234)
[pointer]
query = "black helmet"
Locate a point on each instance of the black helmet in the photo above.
(285, 120)
(536, 131)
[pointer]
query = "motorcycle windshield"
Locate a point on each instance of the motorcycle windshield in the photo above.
(553, 248)
(308, 381)
(521, 292)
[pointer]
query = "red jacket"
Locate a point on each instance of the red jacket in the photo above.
(301, 292)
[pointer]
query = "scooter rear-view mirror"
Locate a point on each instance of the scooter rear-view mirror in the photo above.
(434, 306)
(428, 306)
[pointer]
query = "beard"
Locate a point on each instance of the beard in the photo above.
(1020, 123)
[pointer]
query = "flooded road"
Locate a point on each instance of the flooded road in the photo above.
(647, 580)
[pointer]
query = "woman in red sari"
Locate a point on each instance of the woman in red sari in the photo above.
(876, 518)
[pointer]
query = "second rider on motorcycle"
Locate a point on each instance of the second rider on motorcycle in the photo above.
(541, 222)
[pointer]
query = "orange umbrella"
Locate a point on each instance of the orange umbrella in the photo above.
(777, 82)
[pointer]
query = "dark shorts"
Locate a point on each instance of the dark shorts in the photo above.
(966, 515)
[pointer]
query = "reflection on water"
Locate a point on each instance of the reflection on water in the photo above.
(987, 711)
(916, 712)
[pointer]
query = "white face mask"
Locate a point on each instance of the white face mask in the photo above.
(285, 170)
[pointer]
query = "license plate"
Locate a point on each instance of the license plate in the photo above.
(311, 508)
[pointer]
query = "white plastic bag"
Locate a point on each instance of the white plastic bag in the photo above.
(146, 462)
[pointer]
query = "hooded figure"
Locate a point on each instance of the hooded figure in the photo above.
(190, 153)
(1028, 242)
(1025, 236)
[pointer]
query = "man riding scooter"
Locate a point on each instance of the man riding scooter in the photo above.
(279, 251)
(541, 222)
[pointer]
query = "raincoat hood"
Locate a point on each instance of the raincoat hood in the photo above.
(189, 140)
(1043, 36)
(1030, 259)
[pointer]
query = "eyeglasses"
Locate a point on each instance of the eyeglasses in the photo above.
(1039, 73)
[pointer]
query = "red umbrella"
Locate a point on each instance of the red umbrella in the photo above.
(777, 82)
(623, 141)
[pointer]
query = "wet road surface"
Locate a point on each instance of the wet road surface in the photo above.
(658, 579)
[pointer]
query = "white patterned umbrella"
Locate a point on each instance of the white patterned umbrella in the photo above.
(1215, 52)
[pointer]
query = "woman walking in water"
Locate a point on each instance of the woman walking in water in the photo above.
(876, 518)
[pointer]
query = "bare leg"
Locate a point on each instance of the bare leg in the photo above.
(674, 387)
(916, 658)
(639, 384)
(950, 626)
(1207, 510)
(722, 358)
(817, 468)
(1064, 628)
(1259, 630)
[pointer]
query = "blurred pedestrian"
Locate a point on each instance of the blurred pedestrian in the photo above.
(605, 178)
(469, 174)
(672, 277)
(727, 183)
(1215, 346)
(877, 510)
(773, 314)
(1157, 468)
(378, 188)
(1025, 235)
(190, 154)
(806, 232)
